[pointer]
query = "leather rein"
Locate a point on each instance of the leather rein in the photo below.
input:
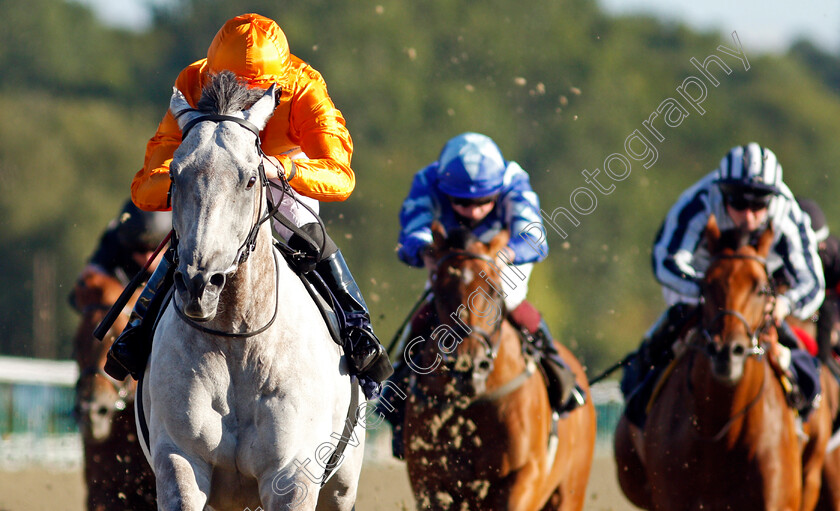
(488, 340)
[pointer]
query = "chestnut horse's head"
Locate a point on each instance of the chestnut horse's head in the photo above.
(737, 292)
(469, 304)
(98, 397)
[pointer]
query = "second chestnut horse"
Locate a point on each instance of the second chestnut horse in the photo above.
(116, 471)
(720, 434)
(478, 427)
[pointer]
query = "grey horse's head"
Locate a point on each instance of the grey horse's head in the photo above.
(216, 189)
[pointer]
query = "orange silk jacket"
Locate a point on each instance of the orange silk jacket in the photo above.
(304, 118)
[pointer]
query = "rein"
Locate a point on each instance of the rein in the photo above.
(250, 243)
(487, 340)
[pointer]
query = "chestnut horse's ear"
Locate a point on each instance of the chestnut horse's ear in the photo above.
(499, 242)
(438, 236)
(765, 241)
(713, 234)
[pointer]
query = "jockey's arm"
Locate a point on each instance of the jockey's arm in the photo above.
(797, 247)
(150, 187)
(528, 241)
(673, 254)
(319, 128)
(418, 211)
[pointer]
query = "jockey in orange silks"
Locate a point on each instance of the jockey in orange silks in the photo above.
(305, 142)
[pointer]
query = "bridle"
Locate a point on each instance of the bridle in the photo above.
(755, 347)
(485, 338)
(120, 387)
(490, 341)
(250, 243)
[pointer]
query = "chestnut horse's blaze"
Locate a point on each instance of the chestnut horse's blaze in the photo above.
(116, 471)
(720, 435)
(477, 427)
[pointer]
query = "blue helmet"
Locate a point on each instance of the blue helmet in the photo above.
(750, 170)
(471, 166)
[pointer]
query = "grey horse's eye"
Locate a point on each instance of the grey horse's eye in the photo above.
(251, 182)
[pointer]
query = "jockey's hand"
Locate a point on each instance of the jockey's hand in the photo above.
(272, 166)
(508, 254)
(781, 309)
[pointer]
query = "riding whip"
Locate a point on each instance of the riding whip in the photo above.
(118, 306)
(613, 368)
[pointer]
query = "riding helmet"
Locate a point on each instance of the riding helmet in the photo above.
(471, 166)
(750, 170)
(142, 231)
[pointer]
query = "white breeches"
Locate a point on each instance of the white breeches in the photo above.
(514, 285)
(292, 208)
(294, 211)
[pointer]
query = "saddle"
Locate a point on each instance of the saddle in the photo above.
(559, 378)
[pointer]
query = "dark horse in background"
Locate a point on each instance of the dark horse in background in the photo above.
(720, 434)
(478, 426)
(116, 471)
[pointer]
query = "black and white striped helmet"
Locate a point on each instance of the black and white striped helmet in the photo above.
(750, 169)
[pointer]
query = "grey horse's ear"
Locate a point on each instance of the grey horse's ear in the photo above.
(181, 110)
(261, 111)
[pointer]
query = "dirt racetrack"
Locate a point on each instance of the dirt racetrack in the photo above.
(384, 487)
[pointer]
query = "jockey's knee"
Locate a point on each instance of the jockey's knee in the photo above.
(324, 244)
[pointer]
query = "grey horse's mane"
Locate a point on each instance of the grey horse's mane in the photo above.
(226, 94)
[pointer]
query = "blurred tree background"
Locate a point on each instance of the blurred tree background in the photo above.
(558, 85)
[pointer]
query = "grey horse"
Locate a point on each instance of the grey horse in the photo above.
(243, 422)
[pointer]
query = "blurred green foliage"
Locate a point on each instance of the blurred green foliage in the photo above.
(558, 85)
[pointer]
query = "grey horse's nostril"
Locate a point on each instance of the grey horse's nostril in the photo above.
(217, 280)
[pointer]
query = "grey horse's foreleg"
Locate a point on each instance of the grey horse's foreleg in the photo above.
(287, 490)
(181, 485)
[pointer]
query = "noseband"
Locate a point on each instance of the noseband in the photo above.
(491, 349)
(250, 242)
(120, 387)
(755, 348)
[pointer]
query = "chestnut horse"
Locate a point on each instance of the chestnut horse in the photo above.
(116, 471)
(720, 434)
(830, 490)
(478, 427)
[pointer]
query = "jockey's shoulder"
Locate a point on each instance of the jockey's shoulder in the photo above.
(302, 73)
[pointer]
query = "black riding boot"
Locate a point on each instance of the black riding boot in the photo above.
(366, 354)
(803, 373)
(564, 392)
(130, 351)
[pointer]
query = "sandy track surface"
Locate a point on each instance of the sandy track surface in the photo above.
(384, 487)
